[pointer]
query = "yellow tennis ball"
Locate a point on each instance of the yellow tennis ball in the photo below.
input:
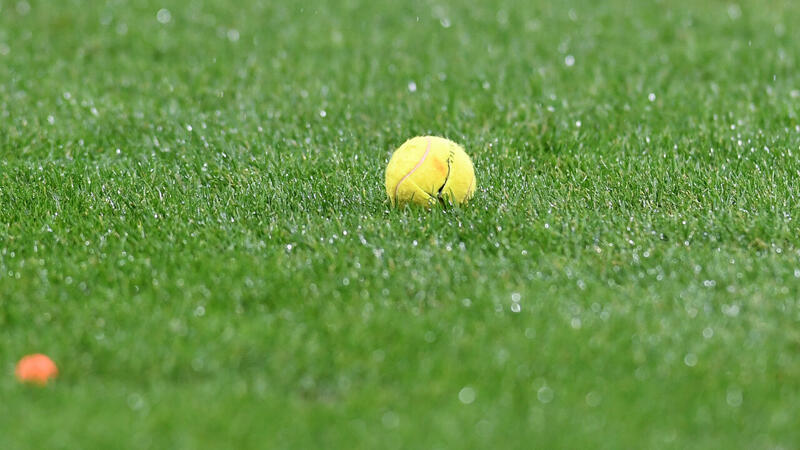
(429, 169)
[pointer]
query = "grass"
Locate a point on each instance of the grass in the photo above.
(193, 224)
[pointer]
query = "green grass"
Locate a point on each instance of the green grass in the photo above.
(211, 259)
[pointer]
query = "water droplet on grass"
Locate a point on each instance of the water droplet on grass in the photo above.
(23, 8)
(593, 399)
(545, 394)
(163, 16)
(734, 11)
(734, 397)
(730, 310)
(135, 401)
(390, 420)
(466, 395)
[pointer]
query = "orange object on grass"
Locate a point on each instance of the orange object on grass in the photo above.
(36, 369)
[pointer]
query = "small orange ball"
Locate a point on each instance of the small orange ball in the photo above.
(36, 369)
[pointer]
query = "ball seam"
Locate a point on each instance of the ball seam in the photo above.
(422, 160)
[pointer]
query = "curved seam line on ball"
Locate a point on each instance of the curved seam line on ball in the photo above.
(397, 187)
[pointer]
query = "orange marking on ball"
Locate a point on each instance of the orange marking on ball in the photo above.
(36, 369)
(441, 167)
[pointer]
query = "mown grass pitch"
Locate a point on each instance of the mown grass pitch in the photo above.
(193, 224)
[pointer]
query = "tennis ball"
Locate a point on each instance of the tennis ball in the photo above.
(429, 169)
(36, 369)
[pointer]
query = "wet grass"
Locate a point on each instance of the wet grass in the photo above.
(193, 225)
